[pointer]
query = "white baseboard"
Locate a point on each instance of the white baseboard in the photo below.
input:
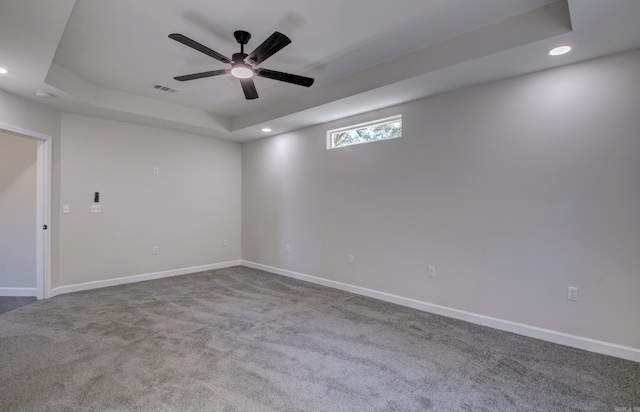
(579, 342)
(139, 278)
(18, 292)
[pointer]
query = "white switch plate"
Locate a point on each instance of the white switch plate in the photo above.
(156, 170)
(572, 293)
(154, 250)
(350, 258)
(432, 271)
(225, 243)
(95, 208)
(287, 249)
(65, 209)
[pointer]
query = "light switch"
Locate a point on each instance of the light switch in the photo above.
(65, 209)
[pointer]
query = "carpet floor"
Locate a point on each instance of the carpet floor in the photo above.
(240, 339)
(8, 303)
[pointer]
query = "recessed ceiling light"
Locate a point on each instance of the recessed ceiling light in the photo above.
(560, 50)
(266, 129)
(3, 70)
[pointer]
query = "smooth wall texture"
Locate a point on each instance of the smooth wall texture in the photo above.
(25, 114)
(18, 157)
(187, 210)
(513, 190)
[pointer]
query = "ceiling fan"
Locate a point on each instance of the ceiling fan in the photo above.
(243, 66)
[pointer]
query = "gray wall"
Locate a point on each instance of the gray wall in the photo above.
(513, 190)
(187, 210)
(18, 157)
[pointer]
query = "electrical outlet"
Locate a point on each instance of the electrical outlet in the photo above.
(154, 250)
(572, 293)
(156, 170)
(95, 208)
(350, 258)
(432, 271)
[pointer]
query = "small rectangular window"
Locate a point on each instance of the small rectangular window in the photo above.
(382, 129)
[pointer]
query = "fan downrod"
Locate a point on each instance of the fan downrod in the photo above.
(242, 37)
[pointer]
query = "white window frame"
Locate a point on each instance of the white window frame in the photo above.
(330, 133)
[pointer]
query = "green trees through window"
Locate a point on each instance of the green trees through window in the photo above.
(383, 129)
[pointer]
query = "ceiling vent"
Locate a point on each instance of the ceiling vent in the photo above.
(164, 88)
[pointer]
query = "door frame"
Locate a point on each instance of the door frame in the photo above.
(43, 206)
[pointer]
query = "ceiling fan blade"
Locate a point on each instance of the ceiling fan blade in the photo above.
(268, 48)
(285, 77)
(197, 46)
(249, 88)
(201, 75)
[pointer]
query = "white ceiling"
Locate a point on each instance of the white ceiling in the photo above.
(101, 57)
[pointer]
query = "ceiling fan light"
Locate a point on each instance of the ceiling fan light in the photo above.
(242, 72)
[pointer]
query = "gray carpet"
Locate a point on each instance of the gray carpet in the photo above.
(239, 339)
(8, 303)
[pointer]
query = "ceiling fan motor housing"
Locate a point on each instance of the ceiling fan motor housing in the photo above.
(239, 58)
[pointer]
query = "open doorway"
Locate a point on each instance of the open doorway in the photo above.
(29, 247)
